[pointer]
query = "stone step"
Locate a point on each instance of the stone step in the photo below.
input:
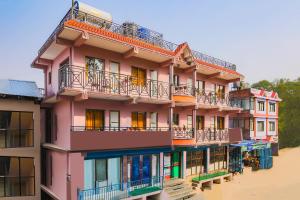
(173, 182)
(183, 195)
(180, 191)
(176, 187)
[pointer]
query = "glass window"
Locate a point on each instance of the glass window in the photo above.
(17, 176)
(94, 119)
(220, 123)
(138, 120)
(200, 122)
(271, 126)
(189, 121)
(101, 170)
(153, 120)
(16, 129)
(260, 126)
(251, 124)
(261, 105)
(195, 162)
(200, 86)
(114, 120)
(272, 107)
(176, 119)
(176, 80)
(93, 68)
(139, 76)
(220, 91)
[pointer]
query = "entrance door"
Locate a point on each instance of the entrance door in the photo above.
(135, 168)
(175, 165)
(146, 168)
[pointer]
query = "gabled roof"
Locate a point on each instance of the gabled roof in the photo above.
(19, 88)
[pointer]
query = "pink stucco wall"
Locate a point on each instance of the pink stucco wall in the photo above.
(77, 173)
(124, 108)
(59, 174)
(63, 112)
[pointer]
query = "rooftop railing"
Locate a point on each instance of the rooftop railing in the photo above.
(71, 76)
(131, 30)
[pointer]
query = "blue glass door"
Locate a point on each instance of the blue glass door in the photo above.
(135, 168)
(146, 168)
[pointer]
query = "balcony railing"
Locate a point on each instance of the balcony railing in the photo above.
(76, 77)
(117, 129)
(131, 30)
(213, 98)
(183, 133)
(123, 190)
(212, 135)
(184, 89)
(12, 138)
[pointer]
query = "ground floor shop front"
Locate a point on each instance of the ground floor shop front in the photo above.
(128, 173)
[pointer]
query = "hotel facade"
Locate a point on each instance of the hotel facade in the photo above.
(125, 110)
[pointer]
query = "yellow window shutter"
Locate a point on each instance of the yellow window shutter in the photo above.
(134, 119)
(88, 119)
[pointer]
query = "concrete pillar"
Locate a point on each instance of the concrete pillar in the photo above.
(171, 82)
(194, 79)
(161, 164)
(183, 165)
(171, 119)
(207, 159)
(125, 172)
(227, 161)
(194, 121)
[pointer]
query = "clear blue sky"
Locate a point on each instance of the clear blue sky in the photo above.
(262, 37)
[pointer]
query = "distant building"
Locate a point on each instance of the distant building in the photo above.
(259, 117)
(19, 140)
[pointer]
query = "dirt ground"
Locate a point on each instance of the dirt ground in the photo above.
(282, 182)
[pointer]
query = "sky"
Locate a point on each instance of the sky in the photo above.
(262, 37)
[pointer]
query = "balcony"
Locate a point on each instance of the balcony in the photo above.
(184, 95)
(212, 100)
(183, 133)
(124, 190)
(108, 138)
(74, 80)
(208, 135)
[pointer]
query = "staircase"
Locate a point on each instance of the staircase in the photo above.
(178, 189)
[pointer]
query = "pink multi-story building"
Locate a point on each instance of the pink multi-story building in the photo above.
(259, 117)
(125, 110)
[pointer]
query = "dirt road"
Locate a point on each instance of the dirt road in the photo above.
(282, 182)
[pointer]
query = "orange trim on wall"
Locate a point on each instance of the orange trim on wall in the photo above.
(182, 142)
(181, 98)
(92, 29)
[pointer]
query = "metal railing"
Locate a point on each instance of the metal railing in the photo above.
(12, 138)
(212, 135)
(184, 89)
(213, 98)
(131, 30)
(121, 129)
(122, 190)
(183, 133)
(71, 76)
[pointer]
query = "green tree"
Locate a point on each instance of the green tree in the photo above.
(263, 84)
